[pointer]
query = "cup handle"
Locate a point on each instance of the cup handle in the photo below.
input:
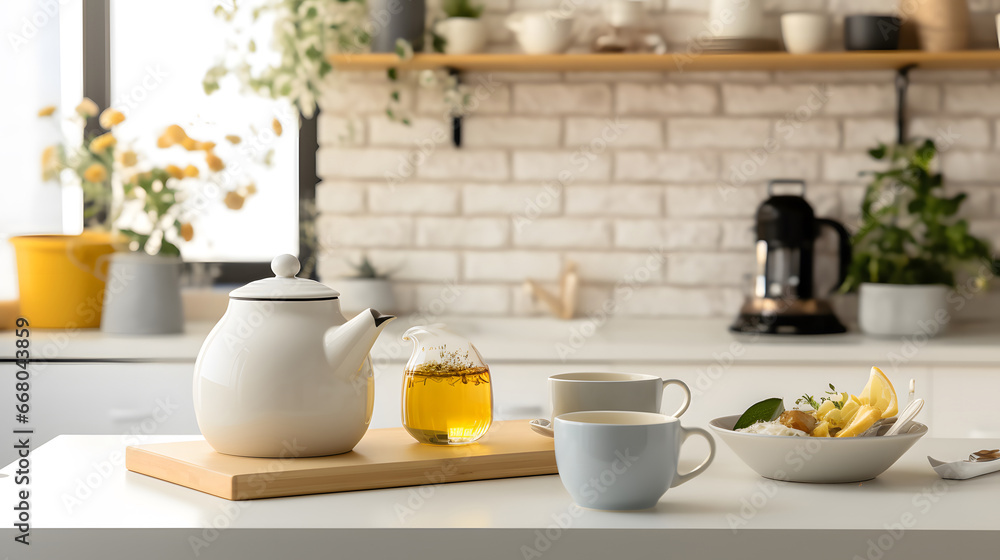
(687, 395)
(688, 432)
(542, 426)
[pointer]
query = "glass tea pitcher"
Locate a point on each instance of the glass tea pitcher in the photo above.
(447, 395)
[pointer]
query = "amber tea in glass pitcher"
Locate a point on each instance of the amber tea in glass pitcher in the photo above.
(447, 394)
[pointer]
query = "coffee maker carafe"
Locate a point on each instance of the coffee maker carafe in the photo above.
(783, 299)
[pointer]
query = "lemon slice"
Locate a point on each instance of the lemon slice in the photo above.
(865, 418)
(821, 430)
(880, 394)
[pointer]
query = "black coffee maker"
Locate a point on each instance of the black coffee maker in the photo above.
(783, 299)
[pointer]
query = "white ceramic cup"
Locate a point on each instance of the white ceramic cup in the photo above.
(736, 18)
(462, 35)
(622, 460)
(805, 32)
(573, 392)
(546, 32)
(624, 13)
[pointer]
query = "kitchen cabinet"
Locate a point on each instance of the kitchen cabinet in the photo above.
(132, 400)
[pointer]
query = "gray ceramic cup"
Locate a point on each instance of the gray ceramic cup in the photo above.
(622, 460)
(573, 392)
(142, 295)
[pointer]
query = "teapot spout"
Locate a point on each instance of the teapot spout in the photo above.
(350, 343)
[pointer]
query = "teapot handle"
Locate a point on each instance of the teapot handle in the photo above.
(844, 248)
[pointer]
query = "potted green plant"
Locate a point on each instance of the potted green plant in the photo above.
(462, 30)
(911, 246)
(366, 288)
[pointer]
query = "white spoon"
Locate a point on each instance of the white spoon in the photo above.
(905, 417)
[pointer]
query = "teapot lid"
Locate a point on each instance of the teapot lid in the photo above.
(284, 286)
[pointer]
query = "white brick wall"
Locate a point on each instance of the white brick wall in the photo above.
(607, 169)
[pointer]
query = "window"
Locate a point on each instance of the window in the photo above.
(152, 68)
(156, 73)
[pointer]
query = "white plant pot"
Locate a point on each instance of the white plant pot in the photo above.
(901, 310)
(358, 294)
(462, 35)
(142, 295)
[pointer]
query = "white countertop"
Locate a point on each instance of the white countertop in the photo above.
(506, 340)
(80, 482)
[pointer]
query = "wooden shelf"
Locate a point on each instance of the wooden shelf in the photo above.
(676, 62)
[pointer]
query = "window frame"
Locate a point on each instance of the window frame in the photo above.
(96, 55)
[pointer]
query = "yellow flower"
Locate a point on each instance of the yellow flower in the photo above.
(191, 171)
(174, 171)
(206, 146)
(187, 232)
(111, 117)
(175, 133)
(276, 126)
(233, 139)
(102, 143)
(128, 158)
(233, 200)
(87, 108)
(96, 173)
(47, 111)
(50, 163)
(214, 162)
(189, 144)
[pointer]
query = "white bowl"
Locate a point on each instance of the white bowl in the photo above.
(809, 459)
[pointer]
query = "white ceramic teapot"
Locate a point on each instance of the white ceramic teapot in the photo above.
(283, 373)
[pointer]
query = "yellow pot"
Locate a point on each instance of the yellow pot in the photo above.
(61, 278)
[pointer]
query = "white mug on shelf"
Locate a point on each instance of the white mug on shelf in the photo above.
(622, 460)
(462, 35)
(736, 18)
(546, 32)
(805, 32)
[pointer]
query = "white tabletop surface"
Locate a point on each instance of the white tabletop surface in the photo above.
(80, 482)
(550, 340)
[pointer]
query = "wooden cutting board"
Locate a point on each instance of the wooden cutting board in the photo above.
(385, 458)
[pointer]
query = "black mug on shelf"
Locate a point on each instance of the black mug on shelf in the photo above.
(865, 32)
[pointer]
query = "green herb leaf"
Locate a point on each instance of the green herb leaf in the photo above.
(763, 411)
